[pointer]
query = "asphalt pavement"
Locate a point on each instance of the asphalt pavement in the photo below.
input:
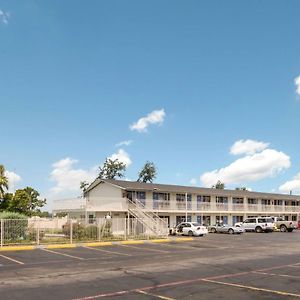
(217, 266)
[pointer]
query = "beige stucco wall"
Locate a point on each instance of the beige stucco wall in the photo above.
(106, 198)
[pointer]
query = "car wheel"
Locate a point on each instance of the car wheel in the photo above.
(213, 230)
(258, 229)
(230, 231)
(190, 233)
(283, 228)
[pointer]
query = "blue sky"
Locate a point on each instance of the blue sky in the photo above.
(75, 76)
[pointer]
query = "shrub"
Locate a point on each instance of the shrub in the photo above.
(14, 225)
(78, 230)
(91, 231)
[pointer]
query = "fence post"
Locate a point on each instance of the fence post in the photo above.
(2, 233)
(125, 228)
(71, 232)
(38, 232)
(99, 229)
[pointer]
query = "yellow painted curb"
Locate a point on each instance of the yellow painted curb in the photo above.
(17, 248)
(60, 246)
(161, 241)
(95, 244)
(183, 239)
(132, 242)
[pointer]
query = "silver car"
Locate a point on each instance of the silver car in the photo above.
(225, 228)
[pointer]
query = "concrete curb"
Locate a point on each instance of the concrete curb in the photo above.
(95, 244)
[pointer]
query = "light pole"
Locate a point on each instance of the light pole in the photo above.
(186, 207)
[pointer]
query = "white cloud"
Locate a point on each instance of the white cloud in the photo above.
(247, 147)
(4, 16)
(251, 167)
(13, 179)
(193, 181)
(297, 83)
(67, 179)
(124, 143)
(122, 156)
(291, 185)
(155, 117)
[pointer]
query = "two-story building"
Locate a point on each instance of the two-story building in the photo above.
(178, 203)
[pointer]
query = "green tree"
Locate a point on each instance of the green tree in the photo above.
(26, 201)
(84, 185)
(4, 202)
(243, 188)
(148, 172)
(219, 185)
(3, 182)
(112, 169)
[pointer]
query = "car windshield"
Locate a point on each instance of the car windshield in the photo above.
(196, 224)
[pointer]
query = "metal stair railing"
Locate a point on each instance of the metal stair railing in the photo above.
(150, 219)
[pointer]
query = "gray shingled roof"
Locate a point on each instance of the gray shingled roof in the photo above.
(134, 185)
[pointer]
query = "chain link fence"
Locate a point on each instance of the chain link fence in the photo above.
(38, 231)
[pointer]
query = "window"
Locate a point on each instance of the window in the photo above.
(206, 220)
(181, 197)
(278, 202)
(252, 201)
(141, 195)
(199, 219)
(180, 219)
(250, 221)
(266, 202)
(222, 200)
(237, 200)
(204, 199)
(237, 219)
(161, 196)
(221, 219)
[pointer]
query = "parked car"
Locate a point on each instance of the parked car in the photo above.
(284, 226)
(189, 228)
(225, 228)
(259, 224)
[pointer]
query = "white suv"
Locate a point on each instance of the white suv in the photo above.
(258, 224)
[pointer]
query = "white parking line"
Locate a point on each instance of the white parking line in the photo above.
(274, 274)
(147, 249)
(294, 266)
(106, 251)
(63, 254)
(11, 259)
(154, 295)
(253, 288)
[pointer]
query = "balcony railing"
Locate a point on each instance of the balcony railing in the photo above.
(205, 206)
(121, 204)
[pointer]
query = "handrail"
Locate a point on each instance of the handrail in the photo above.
(151, 214)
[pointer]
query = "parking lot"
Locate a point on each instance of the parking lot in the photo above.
(217, 266)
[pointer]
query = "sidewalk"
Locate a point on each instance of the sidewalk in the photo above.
(95, 244)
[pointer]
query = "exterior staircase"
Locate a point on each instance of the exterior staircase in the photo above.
(151, 221)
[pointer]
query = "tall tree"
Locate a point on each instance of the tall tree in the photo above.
(219, 185)
(84, 185)
(3, 182)
(4, 202)
(148, 172)
(112, 169)
(26, 201)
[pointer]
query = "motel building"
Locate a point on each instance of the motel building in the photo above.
(177, 203)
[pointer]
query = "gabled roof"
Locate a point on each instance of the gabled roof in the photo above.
(168, 188)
